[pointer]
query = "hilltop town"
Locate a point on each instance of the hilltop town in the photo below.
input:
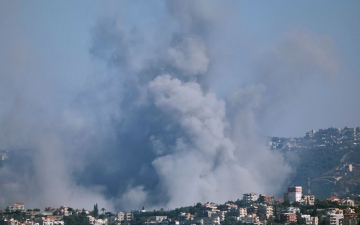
(294, 208)
(345, 138)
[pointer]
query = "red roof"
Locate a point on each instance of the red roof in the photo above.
(333, 198)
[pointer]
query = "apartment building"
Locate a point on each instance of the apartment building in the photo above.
(249, 197)
(125, 216)
(288, 217)
(334, 216)
(265, 211)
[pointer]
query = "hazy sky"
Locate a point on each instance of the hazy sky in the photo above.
(52, 40)
(117, 97)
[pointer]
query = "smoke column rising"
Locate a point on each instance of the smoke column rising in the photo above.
(150, 127)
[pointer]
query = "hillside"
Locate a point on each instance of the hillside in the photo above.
(329, 157)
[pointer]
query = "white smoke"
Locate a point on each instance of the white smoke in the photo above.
(150, 129)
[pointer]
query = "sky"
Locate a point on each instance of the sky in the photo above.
(163, 104)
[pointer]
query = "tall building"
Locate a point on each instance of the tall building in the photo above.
(294, 194)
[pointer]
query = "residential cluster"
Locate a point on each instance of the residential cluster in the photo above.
(294, 208)
(320, 138)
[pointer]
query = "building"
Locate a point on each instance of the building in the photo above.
(242, 212)
(349, 213)
(334, 216)
(250, 218)
(308, 199)
(265, 211)
(49, 220)
(17, 206)
(293, 210)
(185, 216)
(207, 221)
(11, 222)
(249, 197)
(210, 206)
(125, 216)
(288, 217)
(294, 194)
(348, 202)
(95, 221)
(314, 220)
(310, 220)
(155, 219)
(219, 214)
(268, 199)
(233, 210)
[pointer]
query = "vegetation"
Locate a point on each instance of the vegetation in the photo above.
(80, 219)
(323, 158)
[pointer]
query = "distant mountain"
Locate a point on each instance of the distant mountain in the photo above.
(329, 157)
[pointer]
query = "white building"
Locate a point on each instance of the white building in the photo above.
(310, 220)
(334, 216)
(208, 221)
(293, 210)
(52, 220)
(17, 206)
(95, 221)
(242, 212)
(251, 218)
(348, 202)
(125, 216)
(294, 194)
(211, 205)
(155, 219)
(219, 214)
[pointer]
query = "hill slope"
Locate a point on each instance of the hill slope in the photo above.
(329, 157)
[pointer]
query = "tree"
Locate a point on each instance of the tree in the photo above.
(286, 203)
(103, 210)
(314, 212)
(109, 214)
(96, 210)
(76, 219)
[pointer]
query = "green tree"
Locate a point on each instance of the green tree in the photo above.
(286, 203)
(76, 219)
(95, 212)
(198, 205)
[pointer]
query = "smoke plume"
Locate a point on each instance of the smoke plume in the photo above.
(155, 125)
